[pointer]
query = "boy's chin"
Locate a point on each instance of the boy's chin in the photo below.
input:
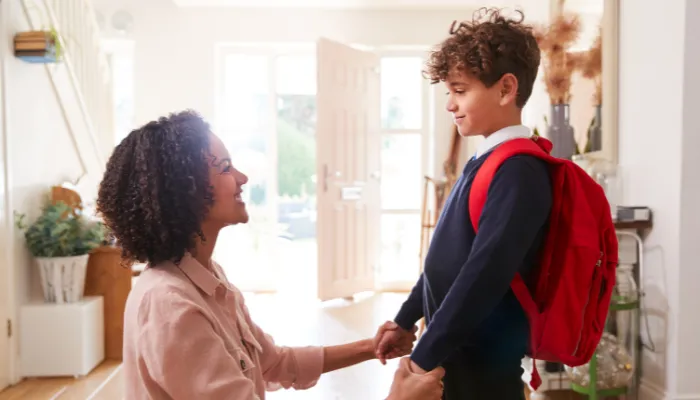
(465, 132)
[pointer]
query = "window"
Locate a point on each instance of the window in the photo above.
(402, 168)
(121, 56)
(266, 116)
(402, 93)
(404, 161)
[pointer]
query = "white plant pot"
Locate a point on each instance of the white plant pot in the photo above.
(63, 278)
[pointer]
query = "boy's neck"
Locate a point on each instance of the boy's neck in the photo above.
(512, 121)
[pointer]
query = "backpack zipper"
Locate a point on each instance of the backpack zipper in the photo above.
(585, 306)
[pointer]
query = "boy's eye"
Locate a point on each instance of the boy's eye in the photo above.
(227, 168)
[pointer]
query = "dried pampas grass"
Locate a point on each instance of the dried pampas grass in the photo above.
(592, 67)
(559, 63)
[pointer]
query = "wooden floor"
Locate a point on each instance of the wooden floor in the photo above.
(328, 323)
(104, 382)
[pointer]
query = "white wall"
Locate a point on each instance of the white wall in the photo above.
(175, 55)
(689, 299)
(658, 144)
(40, 152)
(175, 48)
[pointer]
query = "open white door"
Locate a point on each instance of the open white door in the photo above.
(348, 165)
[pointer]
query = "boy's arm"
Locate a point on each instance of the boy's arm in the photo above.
(518, 205)
(412, 309)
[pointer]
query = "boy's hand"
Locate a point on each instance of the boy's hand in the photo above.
(411, 386)
(392, 341)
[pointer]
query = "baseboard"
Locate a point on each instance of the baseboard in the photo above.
(652, 391)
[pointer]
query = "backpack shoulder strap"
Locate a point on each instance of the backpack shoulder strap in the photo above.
(482, 180)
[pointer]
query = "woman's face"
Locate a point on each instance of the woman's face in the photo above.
(227, 184)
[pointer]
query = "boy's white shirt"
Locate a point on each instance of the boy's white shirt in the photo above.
(500, 136)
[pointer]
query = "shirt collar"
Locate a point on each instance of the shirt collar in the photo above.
(500, 136)
(203, 278)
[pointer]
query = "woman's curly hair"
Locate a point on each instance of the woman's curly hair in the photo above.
(155, 192)
(488, 47)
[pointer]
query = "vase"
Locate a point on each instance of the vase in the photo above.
(62, 278)
(595, 132)
(561, 133)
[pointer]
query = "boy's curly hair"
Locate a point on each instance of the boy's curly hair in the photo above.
(155, 191)
(488, 47)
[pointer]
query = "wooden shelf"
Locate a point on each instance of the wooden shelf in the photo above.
(636, 225)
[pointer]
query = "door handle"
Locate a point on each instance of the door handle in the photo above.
(327, 175)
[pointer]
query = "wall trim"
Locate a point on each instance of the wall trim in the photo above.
(6, 207)
(650, 391)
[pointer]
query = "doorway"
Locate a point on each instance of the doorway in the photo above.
(268, 116)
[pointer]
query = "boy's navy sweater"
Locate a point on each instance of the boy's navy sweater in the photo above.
(464, 292)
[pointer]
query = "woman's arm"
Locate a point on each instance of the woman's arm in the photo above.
(345, 355)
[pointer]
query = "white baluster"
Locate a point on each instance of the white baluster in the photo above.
(76, 22)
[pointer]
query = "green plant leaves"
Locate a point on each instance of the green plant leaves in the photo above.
(58, 232)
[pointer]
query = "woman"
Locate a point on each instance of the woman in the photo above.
(168, 189)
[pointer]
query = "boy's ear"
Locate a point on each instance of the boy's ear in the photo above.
(509, 89)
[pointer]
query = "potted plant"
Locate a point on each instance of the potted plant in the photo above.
(60, 240)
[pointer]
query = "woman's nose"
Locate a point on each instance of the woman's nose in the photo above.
(241, 178)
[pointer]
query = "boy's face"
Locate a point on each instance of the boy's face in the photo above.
(476, 109)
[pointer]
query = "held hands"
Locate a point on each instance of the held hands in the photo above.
(408, 385)
(392, 341)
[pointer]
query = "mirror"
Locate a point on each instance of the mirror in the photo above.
(599, 19)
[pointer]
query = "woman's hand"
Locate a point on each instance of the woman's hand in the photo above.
(410, 386)
(392, 341)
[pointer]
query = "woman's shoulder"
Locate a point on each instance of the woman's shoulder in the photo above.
(156, 285)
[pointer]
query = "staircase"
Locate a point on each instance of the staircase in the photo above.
(81, 81)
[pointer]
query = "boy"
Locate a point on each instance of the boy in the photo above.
(476, 329)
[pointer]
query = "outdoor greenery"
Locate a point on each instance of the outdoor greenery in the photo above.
(296, 145)
(296, 161)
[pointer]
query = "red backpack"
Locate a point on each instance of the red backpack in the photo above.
(573, 286)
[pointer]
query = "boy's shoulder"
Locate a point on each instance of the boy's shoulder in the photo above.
(522, 163)
(524, 170)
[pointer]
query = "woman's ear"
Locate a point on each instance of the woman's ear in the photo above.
(509, 89)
